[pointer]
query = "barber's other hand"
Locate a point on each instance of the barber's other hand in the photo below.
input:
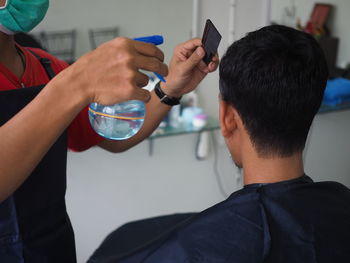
(110, 74)
(187, 69)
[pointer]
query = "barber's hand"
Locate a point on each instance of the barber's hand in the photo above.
(187, 69)
(110, 74)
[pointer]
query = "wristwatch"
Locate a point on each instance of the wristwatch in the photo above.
(171, 101)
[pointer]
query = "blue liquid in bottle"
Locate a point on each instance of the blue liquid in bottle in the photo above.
(121, 121)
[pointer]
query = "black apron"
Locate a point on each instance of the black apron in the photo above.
(34, 225)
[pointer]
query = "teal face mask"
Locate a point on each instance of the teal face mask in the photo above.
(22, 15)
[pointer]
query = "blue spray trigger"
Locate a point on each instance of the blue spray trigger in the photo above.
(156, 39)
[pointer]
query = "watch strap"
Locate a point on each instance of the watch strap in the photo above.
(171, 101)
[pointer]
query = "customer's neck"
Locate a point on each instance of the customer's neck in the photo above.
(271, 170)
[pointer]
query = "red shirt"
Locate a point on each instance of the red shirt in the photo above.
(80, 134)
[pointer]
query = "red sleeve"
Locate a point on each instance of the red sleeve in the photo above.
(81, 136)
(57, 64)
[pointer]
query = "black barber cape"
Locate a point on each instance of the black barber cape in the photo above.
(295, 221)
(34, 225)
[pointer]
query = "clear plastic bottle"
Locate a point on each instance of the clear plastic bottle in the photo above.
(120, 121)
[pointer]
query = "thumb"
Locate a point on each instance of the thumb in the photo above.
(194, 59)
(142, 94)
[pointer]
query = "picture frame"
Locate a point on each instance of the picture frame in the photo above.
(320, 14)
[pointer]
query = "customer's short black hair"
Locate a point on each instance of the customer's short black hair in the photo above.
(275, 78)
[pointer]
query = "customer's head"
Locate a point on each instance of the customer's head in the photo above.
(271, 85)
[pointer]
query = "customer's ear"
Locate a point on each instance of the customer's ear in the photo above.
(228, 121)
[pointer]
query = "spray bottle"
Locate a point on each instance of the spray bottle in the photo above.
(123, 120)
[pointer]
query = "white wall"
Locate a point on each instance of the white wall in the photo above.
(328, 152)
(338, 21)
(135, 18)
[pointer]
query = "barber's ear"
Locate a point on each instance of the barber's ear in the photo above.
(228, 119)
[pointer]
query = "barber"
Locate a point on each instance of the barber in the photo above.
(43, 108)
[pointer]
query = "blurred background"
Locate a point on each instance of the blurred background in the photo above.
(186, 170)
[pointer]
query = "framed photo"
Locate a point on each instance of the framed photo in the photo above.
(320, 14)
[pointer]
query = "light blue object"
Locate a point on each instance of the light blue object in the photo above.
(337, 92)
(188, 115)
(22, 15)
(119, 121)
(123, 120)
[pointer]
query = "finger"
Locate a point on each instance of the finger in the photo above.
(194, 59)
(203, 67)
(151, 64)
(182, 57)
(215, 59)
(213, 66)
(142, 94)
(192, 44)
(149, 50)
(141, 80)
(187, 48)
(185, 53)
